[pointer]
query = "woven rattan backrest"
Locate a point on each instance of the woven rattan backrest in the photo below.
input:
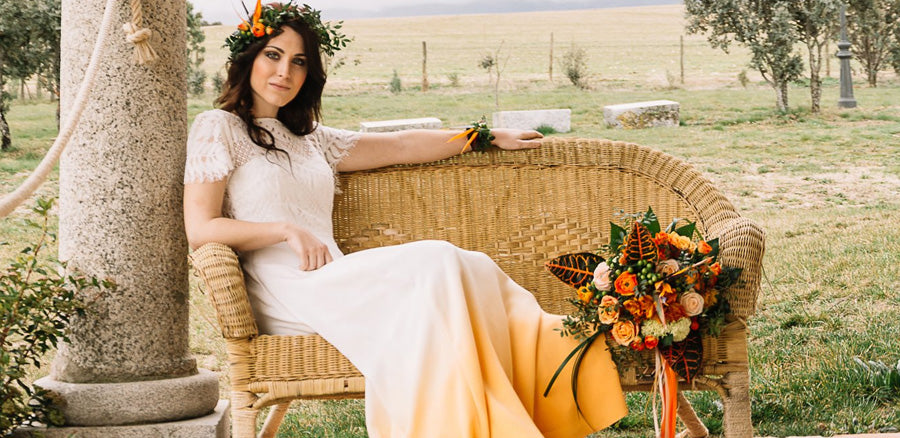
(524, 207)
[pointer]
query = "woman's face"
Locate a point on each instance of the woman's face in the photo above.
(279, 71)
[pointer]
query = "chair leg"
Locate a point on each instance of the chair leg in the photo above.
(694, 427)
(243, 415)
(273, 420)
(737, 420)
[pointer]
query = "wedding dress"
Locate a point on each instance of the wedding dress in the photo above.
(450, 346)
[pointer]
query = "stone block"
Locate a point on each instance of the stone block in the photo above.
(639, 115)
(215, 425)
(400, 125)
(558, 119)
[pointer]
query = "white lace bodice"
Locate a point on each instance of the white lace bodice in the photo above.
(269, 187)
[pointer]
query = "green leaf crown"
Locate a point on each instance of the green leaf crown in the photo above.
(266, 19)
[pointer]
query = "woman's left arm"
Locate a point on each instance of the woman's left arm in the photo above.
(375, 150)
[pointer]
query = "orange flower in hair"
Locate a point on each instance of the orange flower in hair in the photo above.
(258, 29)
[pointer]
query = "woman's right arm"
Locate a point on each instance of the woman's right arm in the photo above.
(204, 223)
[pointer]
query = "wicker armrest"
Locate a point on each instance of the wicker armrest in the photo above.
(219, 268)
(742, 244)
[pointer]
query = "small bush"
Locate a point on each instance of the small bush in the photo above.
(743, 79)
(396, 86)
(574, 66)
(38, 297)
(218, 82)
(454, 79)
(196, 82)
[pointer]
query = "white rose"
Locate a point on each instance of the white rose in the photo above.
(692, 303)
(667, 267)
(601, 277)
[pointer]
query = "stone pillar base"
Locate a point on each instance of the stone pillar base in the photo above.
(151, 401)
(214, 425)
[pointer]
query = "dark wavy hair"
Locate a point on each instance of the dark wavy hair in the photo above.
(301, 114)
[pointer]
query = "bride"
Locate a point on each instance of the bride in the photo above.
(450, 346)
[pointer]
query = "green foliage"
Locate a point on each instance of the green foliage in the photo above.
(545, 129)
(873, 27)
(764, 27)
(218, 82)
(38, 298)
(194, 51)
(29, 44)
(453, 78)
(396, 85)
(574, 66)
(196, 82)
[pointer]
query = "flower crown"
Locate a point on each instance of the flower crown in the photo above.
(266, 19)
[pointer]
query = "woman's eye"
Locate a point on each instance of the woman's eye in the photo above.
(299, 61)
(272, 55)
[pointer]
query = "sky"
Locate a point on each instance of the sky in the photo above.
(224, 10)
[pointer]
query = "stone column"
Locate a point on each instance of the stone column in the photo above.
(120, 218)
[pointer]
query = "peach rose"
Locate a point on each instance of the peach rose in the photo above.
(624, 332)
(680, 242)
(692, 303)
(608, 315)
(601, 277)
(667, 267)
(609, 301)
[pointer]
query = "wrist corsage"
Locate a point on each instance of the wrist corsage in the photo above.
(478, 136)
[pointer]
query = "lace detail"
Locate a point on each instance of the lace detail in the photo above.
(208, 149)
(335, 144)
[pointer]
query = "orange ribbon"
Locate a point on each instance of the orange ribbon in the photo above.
(669, 401)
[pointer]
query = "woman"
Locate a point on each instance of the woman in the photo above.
(454, 349)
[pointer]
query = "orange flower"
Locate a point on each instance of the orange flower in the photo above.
(647, 306)
(651, 342)
(269, 30)
(674, 312)
(258, 29)
(660, 238)
(716, 268)
(626, 283)
(634, 308)
(244, 26)
(585, 294)
(624, 332)
(711, 298)
(703, 247)
(664, 289)
(608, 315)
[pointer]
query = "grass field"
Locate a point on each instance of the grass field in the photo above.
(824, 186)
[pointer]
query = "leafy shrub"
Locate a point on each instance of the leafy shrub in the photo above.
(574, 66)
(196, 81)
(396, 86)
(38, 297)
(545, 129)
(454, 79)
(218, 82)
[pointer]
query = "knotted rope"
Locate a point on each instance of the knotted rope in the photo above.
(139, 36)
(140, 39)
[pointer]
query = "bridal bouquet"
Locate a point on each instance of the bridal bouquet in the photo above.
(655, 290)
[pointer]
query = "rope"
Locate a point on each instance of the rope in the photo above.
(24, 191)
(139, 36)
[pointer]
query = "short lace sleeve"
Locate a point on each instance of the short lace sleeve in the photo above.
(208, 148)
(335, 144)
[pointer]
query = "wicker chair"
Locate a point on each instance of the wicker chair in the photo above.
(521, 208)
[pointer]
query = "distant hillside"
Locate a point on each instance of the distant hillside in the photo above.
(493, 7)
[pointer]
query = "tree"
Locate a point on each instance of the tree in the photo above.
(29, 44)
(195, 50)
(816, 22)
(872, 26)
(765, 27)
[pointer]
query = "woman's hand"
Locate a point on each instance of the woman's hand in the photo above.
(313, 254)
(511, 139)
